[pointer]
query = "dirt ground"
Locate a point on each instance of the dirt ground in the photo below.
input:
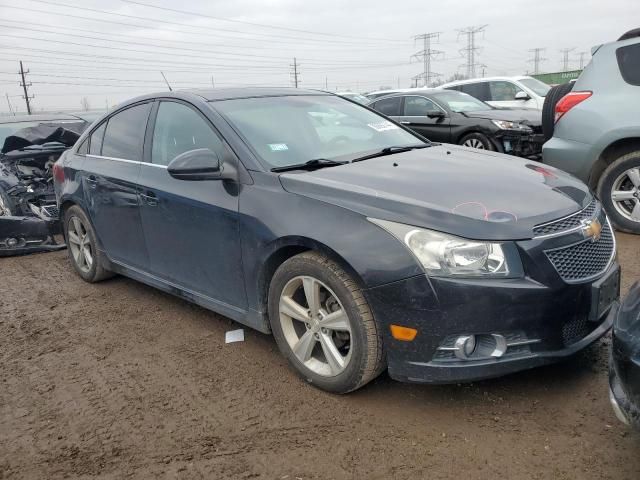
(118, 380)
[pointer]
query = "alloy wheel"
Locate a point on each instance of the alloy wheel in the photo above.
(315, 325)
(80, 244)
(625, 194)
(474, 143)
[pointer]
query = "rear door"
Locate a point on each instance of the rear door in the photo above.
(191, 227)
(415, 109)
(110, 174)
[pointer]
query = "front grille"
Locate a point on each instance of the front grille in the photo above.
(585, 260)
(566, 223)
(576, 329)
(51, 210)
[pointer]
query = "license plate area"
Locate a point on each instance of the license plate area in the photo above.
(603, 293)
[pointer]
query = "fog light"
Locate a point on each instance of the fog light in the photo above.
(11, 242)
(465, 346)
(405, 334)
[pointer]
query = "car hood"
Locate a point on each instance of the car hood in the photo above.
(464, 192)
(520, 115)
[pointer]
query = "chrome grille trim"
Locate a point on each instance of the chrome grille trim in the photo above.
(554, 228)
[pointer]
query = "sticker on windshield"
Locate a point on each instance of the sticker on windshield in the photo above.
(278, 147)
(382, 126)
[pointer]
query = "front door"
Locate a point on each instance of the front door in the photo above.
(191, 227)
(416, 117)
(109, 177)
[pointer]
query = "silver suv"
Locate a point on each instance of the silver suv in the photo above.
(596, 135)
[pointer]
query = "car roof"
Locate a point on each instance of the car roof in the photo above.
(42, 117)
(484, 79)
(214, 94)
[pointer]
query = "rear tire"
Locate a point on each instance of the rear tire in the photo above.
(623, 207)
(339, 356)
(549, 108)
(86, 258)
(477, 140)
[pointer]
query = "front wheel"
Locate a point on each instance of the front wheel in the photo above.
(323, 325)
(477, 140)
(619, 191)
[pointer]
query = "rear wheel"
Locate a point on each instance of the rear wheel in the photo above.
(619, 190)
(549, 107)
(477, 140)
(323, 325)
(85, 257)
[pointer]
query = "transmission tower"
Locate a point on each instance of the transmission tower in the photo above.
(426, 55)
(295, 73)
(25, 87)
(582, 56)
(471, 51)
(537, 59)
(565, 58)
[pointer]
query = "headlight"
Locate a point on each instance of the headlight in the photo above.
(505, 125)
(446, 256)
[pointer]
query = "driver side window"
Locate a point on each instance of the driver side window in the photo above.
(503, 91)
(418, 106)
(178, 129)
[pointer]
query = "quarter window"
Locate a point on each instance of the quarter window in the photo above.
(418, 106)
(629, 63)
(179, 129)
(95, 141)
(125, 133)
(84, 148)
(389, 106)
(503, 91)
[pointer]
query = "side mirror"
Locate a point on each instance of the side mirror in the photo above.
(199, 164)
(435, 113)
(522, 96)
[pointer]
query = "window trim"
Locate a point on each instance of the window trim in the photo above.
(426, 98)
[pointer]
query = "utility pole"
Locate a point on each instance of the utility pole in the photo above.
(9, 103)
(426, 55)
(213, 85)
(326, 83)
(565, 58)
(582, 57)
(25, 86)
(471, 50)
(296, 74)
(537, 59)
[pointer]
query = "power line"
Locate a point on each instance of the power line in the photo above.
(565, 58)
(426, 55)
(537, 59)
(582, 56)
(471, 50)
(295, 73)
(25, 87)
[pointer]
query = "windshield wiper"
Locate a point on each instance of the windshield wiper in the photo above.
(309, 165)
(390, 151)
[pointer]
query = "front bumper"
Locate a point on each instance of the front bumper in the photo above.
(22, 235)
(527, 146)
(543, 323)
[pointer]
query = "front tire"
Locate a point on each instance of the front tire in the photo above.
(477, 140)
(619, 191)
(86, 258)
(323, 324)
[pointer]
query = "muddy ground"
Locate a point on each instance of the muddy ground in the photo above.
(118, 380)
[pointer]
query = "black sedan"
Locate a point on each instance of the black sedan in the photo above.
(624, 377)
(359, 245)
(455, 117)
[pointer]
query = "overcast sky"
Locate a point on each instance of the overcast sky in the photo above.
(111, 50)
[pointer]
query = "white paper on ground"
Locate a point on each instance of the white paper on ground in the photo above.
(234, 336)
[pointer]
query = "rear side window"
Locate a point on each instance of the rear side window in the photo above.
(125, 133)
(477, 90)
(418, 106)
(83, 149)
(389, 106)
(179, 129)
(95, 141)
(629, 63)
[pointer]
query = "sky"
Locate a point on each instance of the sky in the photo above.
(102, 52)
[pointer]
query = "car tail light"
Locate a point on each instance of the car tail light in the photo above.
(58, 172)
(569, 101)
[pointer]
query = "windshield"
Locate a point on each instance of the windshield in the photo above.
(539, 88)
(461, 102)
(292, 130)
(356, 97)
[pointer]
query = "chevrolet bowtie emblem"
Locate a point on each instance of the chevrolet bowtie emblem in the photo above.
(592, 229)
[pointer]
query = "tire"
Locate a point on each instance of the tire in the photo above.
(623, 175)
(79, 233)
(6, 205)
(360, 349)
(549, 108)
(474, 140)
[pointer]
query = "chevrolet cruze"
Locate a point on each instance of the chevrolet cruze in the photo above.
(360, 245)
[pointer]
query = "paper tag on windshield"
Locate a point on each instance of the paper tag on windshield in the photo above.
(278, 147)
(382, 126)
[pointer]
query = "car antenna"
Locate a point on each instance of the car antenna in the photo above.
(165, 81)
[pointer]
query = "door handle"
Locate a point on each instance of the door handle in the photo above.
(92, 181)
(149, 198)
